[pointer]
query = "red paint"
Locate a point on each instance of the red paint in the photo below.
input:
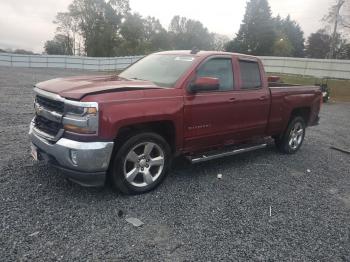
(207, 81)
(273, 78)
(201, 120)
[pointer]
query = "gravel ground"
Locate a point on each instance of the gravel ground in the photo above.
(192, 215)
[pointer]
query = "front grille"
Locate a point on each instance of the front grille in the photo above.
(50, 104)
(47, 126)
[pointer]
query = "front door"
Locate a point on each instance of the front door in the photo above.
(209, 116)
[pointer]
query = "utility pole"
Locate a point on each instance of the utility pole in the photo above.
(334, 42)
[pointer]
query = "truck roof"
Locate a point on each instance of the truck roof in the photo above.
(206, 53)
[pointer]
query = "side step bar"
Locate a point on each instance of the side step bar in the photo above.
(203, 158)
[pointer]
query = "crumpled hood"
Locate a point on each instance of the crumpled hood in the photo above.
(79, 86)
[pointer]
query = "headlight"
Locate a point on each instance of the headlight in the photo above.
(81, 117)
(79, 110)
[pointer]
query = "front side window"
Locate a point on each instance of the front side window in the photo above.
(161, 69)
(220, 68)
(250, 74)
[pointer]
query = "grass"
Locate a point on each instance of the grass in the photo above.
(340, 89)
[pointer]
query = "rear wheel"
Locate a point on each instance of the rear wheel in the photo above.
(141, 163)
(293, 137)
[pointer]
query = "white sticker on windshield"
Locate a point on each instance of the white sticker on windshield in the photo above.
(184, 58)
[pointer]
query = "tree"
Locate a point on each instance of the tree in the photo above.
(156, 35)
(142, 35)
(23, 52)
(256, 34)
(17, 51)
(60, 45)
(133, 34)
(339, 11)
(345, 18)
(283, 47)
(220, 42)
(99, 24)
(67, 25)
(319, 45)
(107, 28)
(290, 31)
(335, 18)
(187, 33)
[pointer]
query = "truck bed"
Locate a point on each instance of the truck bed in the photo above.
(294, 89)
(286, 97)
(277, 84)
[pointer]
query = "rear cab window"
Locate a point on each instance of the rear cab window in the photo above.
(250, 75)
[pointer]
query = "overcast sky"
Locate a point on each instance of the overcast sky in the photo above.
(28, 24)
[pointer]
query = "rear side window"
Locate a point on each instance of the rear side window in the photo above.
(250, 74)
(220, 68)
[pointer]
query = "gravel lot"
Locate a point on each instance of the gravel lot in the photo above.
(192, 215)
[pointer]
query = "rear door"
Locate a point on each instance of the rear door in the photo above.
(209, 116)
(253, 100)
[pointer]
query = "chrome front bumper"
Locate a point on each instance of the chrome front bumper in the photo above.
(91, 158)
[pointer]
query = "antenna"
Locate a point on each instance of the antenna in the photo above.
(194, 50)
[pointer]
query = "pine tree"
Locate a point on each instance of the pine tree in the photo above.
(289, 30)
(256, 35)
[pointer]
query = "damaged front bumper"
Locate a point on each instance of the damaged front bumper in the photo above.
(85, 163)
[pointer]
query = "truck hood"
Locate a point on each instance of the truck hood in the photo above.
(79, 86)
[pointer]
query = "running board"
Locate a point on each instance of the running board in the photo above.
(203, 158)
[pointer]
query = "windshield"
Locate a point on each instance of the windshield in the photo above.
(163, 70)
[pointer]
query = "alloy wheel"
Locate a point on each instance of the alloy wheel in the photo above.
(296, 136)
(144, 164)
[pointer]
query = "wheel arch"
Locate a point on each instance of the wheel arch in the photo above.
(164, 128)
(304, 112)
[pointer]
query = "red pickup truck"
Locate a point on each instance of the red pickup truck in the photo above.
(200, 104)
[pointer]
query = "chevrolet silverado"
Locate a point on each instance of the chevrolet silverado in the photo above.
(199, 104)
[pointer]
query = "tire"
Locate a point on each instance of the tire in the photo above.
(141, 163)
(292, 139)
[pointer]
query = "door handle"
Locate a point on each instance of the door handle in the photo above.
(232, 99)
(262, 98)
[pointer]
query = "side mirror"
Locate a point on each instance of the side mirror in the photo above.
(204, 84)
(273, 79)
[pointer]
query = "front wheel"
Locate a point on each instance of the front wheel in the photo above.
(141, 163)
(293, 137)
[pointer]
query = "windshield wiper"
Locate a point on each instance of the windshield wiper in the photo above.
(160, 85)
(136, 78)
